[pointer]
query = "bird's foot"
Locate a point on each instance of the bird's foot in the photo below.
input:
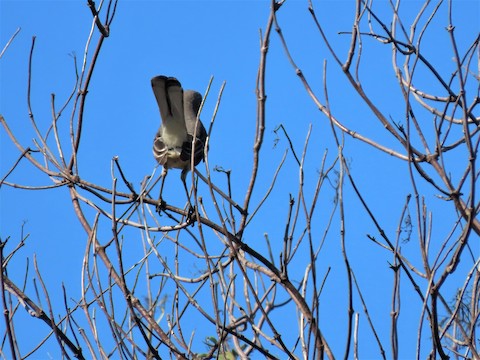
(161, 206)
(191, 215)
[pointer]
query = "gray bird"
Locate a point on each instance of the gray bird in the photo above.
(173, 144)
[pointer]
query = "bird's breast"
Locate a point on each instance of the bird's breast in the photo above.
(173, 134)
(169, 157)
(168, 144)
(174, 160)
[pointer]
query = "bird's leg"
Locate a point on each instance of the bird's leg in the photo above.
(161, 203)
(191, 208)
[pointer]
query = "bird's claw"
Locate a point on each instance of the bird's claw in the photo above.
(191, 215)
(161, 206)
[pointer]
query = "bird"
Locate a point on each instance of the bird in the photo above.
(174, 145)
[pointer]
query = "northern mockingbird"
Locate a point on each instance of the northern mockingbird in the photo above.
(173, 146)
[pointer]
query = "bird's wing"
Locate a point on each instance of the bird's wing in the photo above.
(191, 104)
(160, 150)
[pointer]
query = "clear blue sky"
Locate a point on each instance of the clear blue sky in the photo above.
(194, 40)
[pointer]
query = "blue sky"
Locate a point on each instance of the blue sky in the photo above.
(193, 41)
